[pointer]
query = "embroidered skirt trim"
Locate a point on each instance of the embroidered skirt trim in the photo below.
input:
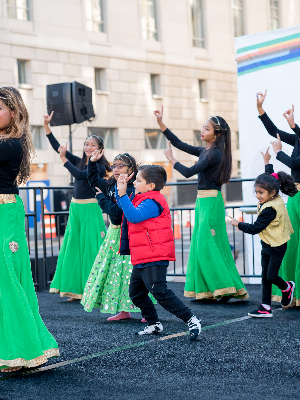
(21, 362)
(241, 294)
(7, 198)
(295, 302)
(207, 193)
(84, 201)
(297, 186)
(66, 294)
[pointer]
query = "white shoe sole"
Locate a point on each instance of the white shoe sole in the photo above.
(260, 316)
(293, 284)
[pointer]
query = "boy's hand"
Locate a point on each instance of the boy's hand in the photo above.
(289, 115)
(234, 221)
(122, 185)
(266, 156)
(97, 154)
(277, 145)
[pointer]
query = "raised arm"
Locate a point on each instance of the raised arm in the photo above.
(110, 207)
(94, 178)
(175, 141)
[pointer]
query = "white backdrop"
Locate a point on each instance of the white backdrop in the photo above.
(283, 89)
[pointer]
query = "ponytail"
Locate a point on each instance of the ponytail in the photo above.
(287, 184)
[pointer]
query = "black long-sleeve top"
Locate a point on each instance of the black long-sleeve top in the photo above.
(292, 161)
(107, 199)
(206, 167)
(11, 153)
(82, 189)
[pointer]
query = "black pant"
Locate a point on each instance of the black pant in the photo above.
(271, 258)
(153, 279)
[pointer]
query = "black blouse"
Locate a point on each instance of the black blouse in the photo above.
(206, 167)
(11, 153)
(82, 189)
(292, 161)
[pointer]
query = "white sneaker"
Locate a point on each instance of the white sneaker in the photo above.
(194, 325)
(151, 329)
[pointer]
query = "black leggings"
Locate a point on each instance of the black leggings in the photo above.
(271, 259)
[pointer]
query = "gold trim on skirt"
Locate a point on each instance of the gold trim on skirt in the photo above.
(21, 362)
(297, 186)
(84, 201)
(295, 302)
(207, 193)
(66, 294)
(241, 294)
(7, 198)
(115, 226)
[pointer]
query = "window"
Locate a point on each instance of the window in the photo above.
(100, 79)
(22, 71)
(18, 9)
(197, 23)
(238, 17)
(107, 134)
(202, 89)
(94, 12)
(155, 139)
(149, 23)
(38, 137)
(274, 5)
(155, 85)
(197, 139)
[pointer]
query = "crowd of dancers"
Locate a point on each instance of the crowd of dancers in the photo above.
(123, 270)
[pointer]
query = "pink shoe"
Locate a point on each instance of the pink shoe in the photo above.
(143, 320)
(121, 315)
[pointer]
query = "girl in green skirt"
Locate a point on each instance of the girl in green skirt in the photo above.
(24, 339)
(290, 267)
(211, 271)
(108, 283)
(85, 230)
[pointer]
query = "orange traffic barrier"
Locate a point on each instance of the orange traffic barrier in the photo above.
(50, 226)
(241, 219)
(188, 222)
(177, 233)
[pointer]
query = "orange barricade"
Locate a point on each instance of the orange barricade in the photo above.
(177, 233)
(49, 225)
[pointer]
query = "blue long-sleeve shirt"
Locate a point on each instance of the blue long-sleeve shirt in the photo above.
(146, 209)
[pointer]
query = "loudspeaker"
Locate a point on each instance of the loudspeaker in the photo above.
(71, 103)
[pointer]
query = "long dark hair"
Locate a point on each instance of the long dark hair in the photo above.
(102, 160)
(130, 162)
(223, 143)
(285, 183)
(18, 129)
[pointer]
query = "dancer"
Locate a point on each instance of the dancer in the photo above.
(275, 229)
(151, 245)
(108, 282)
(86, 228)
(24, 339)
(290, 268)
(211, 271)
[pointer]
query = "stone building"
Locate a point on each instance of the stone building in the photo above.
(136, 55)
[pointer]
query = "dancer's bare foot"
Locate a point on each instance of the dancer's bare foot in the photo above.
(71, 299)
(10, 369)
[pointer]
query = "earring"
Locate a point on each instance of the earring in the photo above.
(215, 137)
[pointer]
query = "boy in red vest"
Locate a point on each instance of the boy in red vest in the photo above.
(151, 245)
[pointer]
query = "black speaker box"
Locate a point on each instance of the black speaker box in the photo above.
(83, 112)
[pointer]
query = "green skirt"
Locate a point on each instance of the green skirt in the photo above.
(211, 271)
(290, 267)
(84, 235)
(107, 287)
(24, 339)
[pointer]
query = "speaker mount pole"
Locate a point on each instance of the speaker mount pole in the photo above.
(71, 151)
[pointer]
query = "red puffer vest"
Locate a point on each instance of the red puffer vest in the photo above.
(152, 240)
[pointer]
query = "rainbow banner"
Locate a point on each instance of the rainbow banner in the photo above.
(268, 54)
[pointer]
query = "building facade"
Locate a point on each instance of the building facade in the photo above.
(137, 55)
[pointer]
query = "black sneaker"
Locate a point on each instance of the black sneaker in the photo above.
(194, 325)
(261, 313)
(287, 296)
(151, 329)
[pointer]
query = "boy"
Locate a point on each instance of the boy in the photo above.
(151, 244)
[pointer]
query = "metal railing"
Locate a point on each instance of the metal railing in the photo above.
(44, 248)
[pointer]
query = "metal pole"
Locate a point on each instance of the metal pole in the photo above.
(71, 151)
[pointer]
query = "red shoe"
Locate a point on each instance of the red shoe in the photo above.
(121, 315)
(143, 320)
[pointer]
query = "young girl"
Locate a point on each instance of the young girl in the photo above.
(274, 228)
(108, 282)
(290, 268)
(24, 339)
(85, 229)
(211, 272)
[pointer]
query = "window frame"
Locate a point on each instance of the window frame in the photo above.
(272, 18)
(98, 130)
(147, 32)
(15, 8)
(198, 41)
(236, 9)
(94, 21)
(161, 137)
(22, 66)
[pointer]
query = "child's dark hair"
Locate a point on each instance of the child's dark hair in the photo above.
(154, 174)
(128, 160)
(285, 183)
(102, 160)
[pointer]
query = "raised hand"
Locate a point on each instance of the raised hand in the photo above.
(277, 145)
(97, 154)
(47, 119)
(168, 152)
(98, 190)
(289, 115)
(159, 114)
(266, 156)
(122, 185)
(63, 150)
(260, 98)
(125, 177)
(234, 222)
